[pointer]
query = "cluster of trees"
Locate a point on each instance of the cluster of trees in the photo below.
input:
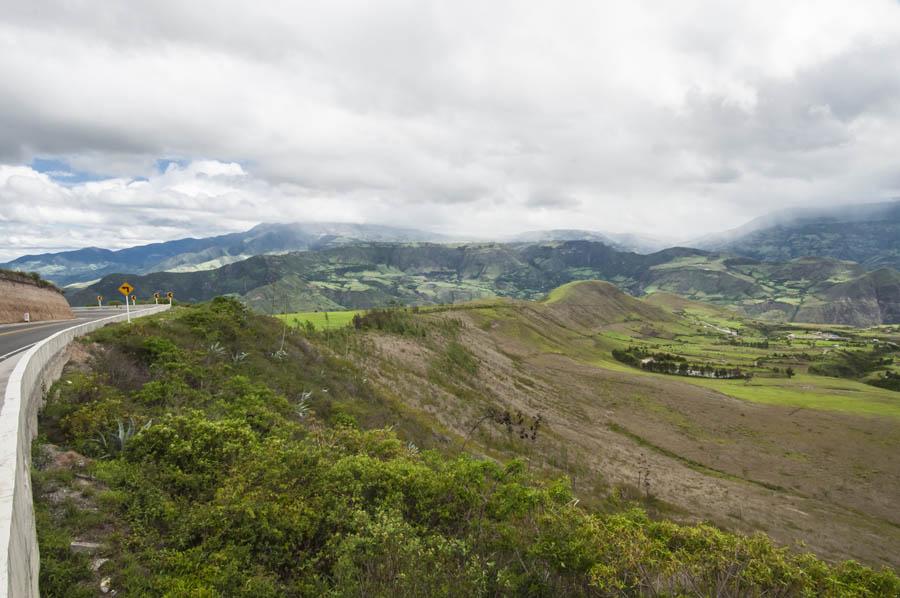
(763, 344)
(788, 371)
(854, 364)
(676, 365)
(888, 380)
(245, 469)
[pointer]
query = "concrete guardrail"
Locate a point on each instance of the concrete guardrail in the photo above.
(35, 371)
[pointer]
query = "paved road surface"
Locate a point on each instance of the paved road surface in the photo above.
(15, 338)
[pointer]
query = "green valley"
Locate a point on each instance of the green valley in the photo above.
(489, 448)
(816, 290)
(450, 299)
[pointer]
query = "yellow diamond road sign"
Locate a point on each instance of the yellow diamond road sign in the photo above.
(126, 289)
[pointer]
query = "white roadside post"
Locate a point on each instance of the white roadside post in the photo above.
(100, 301)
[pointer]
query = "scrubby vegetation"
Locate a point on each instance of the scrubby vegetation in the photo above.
(29, 278)
(227, 456)
(888, 380)
(857, 364)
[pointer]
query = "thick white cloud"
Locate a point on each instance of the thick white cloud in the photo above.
(670, 118)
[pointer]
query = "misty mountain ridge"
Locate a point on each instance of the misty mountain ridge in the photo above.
(77, 267)
(82, 265)
(868, 234)
(358, 276)
(620, 241)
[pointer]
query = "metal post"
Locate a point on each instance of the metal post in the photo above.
(128, 308)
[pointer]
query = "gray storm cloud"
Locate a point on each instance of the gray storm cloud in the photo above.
(473, 118)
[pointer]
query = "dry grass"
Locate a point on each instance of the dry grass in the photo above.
(826, 479)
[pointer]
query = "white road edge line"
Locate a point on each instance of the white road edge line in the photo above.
(19, 350)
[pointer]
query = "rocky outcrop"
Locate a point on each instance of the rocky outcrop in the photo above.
(20, 294)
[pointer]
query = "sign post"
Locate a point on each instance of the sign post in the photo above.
(170, 295)
(100, 301)
(126, 289)
(156, 298)
(133, 300)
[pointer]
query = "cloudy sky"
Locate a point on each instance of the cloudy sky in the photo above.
(131, 122)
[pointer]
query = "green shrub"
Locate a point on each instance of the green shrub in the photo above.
(225, 489)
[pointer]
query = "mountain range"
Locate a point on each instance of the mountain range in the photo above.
(836, 264)
(367, 275)
(868, 234)
(183, 255)
(864, 233)
(83, 266)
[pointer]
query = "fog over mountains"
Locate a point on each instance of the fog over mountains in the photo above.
(867, 234)
(84, 265)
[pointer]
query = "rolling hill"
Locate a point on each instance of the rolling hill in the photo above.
(746, 455)
(490, 448)
(375, 274)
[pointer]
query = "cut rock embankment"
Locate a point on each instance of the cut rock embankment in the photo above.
(19, 295)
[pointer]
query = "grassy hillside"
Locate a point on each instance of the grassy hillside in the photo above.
(320, 320)
(374, 275)
(221, 454)
(765, 448)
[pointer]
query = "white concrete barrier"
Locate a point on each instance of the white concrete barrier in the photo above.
(35, 371)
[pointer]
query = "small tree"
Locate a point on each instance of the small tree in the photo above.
(790, 372)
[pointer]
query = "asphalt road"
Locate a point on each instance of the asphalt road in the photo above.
(15, 338)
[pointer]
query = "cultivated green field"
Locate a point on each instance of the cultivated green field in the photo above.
(811, 392)
(321, 320)
(706, 334)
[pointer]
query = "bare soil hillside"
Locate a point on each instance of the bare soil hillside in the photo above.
(18, 295)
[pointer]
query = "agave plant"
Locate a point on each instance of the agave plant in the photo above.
(238, 357)
(215, 349)
(302, 409)
(115, 442)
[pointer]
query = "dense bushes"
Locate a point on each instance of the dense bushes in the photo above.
(228, 488)
(888, 380)
(859, 364)
(396, 321)
(853, 364)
